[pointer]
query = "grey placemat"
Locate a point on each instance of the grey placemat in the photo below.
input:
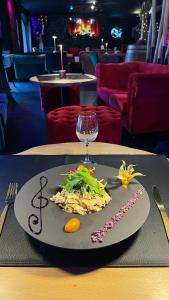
(148, 247)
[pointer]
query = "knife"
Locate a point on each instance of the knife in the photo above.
(162, 209)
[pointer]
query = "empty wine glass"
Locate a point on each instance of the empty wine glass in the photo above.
(87, 130)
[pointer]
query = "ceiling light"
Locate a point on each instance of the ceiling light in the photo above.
(71, 7)
(92, 6)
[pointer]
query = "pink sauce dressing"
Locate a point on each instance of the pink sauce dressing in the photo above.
(98, 235)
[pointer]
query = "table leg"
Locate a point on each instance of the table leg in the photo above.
(61, 97)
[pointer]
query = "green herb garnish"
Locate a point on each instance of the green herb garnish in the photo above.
(81, 180)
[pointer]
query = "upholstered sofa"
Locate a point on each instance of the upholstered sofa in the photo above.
(28, 65)
(139, 90)
(89, 59)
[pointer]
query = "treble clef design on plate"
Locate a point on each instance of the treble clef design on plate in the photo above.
(39, 202)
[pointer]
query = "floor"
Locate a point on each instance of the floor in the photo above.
(26, 125)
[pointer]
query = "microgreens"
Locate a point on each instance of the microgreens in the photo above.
(81, 179)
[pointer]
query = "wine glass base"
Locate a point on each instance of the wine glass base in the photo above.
(88, 162)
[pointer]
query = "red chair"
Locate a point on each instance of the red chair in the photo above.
(140, 91)
(51, 97)
(61, 124)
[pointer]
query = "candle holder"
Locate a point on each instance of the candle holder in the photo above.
(102, 45)
(54, 37)
(62, 74)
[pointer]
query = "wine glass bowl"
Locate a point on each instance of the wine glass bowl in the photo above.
(87, 130)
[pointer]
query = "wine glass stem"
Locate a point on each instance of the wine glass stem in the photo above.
(87, 159)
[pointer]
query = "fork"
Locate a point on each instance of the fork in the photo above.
(9, 199)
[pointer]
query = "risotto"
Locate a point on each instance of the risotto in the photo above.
(81, 203)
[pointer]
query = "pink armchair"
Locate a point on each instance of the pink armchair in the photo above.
(140, 91)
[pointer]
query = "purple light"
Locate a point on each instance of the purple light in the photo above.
(10, 8)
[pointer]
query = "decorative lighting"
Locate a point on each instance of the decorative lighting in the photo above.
(61, 56)
(145, 10)
(106, 44)
(62, 72)
(54, 37)
(102, 45)
(116, 32)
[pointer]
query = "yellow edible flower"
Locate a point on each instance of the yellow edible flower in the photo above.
(127, 173)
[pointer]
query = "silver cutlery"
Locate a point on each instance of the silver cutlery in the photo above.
(9, 199)
(162, 209)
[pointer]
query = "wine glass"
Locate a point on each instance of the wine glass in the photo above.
(87, 130)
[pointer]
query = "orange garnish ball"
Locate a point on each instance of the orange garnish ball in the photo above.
(72, 225)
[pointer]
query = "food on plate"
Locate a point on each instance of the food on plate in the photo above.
(127, 173)
(72, 225)
(81, 193)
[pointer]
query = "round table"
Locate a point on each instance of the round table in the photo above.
(79, 148)
(84, 283)
(72, 79)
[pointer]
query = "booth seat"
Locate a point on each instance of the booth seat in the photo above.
(28, 65)
(139, 90)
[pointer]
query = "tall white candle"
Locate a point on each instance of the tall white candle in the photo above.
(61, 55)
(54, 37)
(106, 48)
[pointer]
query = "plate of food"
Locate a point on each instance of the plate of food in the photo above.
(77, 207)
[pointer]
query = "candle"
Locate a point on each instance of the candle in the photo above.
(106, 48)
(54, 37)
(61, 55)
(102, 45)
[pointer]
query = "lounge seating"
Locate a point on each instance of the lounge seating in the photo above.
(89, 59)
(61, 124)
(139, 90)
(28, 65)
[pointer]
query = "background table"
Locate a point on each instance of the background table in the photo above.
(54, 80)
(72, 79)
(78, 283)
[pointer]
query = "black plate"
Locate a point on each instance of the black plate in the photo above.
(47, 224)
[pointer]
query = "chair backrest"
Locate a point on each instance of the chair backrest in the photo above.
(148, 105)
(88, 60)
(53, 61)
